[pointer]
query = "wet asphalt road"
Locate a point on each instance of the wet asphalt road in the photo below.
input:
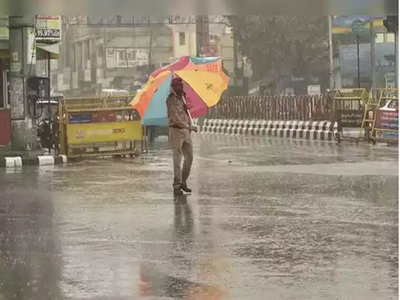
(268, 219)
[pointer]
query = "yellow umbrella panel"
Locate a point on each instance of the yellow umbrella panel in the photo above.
(209, 86)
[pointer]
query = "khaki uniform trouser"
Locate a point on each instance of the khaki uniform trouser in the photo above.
(181, 144)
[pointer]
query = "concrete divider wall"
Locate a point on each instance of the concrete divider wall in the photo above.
(18, 161)
(323, 130)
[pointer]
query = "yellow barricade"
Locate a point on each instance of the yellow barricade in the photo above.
(349, 107)
(103, 132)
(100, 127)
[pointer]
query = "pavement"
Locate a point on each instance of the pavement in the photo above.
(25, 154)
(268, 219)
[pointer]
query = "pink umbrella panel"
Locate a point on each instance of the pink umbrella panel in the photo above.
(178, 65)
(195, 104)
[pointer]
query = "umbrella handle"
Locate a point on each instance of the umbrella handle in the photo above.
(187, 110)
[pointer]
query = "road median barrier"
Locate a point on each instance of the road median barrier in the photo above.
(317, 130)
(45, 160)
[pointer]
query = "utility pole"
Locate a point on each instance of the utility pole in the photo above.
(331, 75)
(372, 33)
(23, 123)
(396, 50)
(202, 39)
(149, 58)
(238, 72)
(202, 34)
(152, 130)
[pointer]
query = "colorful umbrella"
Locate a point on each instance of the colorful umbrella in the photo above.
(204, 82)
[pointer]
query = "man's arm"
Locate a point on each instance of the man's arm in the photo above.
(173, 114)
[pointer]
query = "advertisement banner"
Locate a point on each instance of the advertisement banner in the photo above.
(387, 124)
(98, 117)
(80, 118)
(123, 57)
(90, 133)
(48, 28)
(104, 116)
(352, 118)
(31, 47)
(4, 33)
(126, 58)
(349, 62)
(110, 58)
(342, 24)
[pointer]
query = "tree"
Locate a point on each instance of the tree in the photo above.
(391, 23)
(283, 46)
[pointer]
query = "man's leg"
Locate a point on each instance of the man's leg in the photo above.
(175, 137)
(187, 150)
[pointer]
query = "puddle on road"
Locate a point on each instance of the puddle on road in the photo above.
(343, 169)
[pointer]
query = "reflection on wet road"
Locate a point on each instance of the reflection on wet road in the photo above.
(268, 219)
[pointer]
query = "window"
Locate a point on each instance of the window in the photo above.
(389, 38)
(379, 38)
(88, 49)
(122, 55)
(182, 38)
(392, 104)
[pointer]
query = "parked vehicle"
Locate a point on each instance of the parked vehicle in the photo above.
(48, 122)
(114, 93)
(391, 105)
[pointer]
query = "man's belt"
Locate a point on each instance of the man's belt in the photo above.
(177, 127)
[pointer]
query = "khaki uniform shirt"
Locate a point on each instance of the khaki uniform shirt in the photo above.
(177, 114)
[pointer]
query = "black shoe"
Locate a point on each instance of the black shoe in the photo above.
(186, 189)
(178, 192)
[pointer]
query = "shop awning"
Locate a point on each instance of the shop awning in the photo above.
(43, 50)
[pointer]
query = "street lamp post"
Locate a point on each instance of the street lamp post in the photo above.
(357, 28)
(331, 75)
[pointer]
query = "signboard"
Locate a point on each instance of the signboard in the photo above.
(387, 124)
(125, 58)
(4, 32)
(141, 58)
(98, 117)
(110, 58)
(104, 116)
(48, 28)
(104, 132)
(313, 90)
(357, 27)
(348, 59)
(352, 118)
(15, 67)
(80, 118)
(343, 24)
(390, 80)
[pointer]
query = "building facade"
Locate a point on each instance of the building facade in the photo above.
(96, 58)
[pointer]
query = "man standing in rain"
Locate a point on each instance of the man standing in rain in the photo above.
(180, 128)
